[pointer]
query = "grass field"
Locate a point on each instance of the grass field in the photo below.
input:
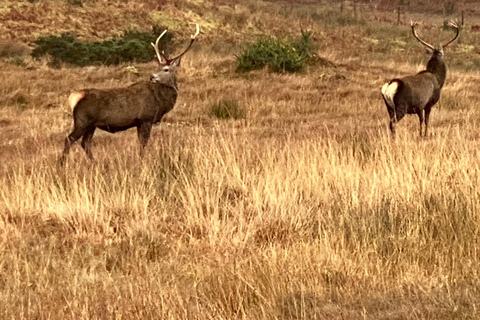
(305, 209)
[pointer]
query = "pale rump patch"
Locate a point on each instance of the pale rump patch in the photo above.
(388, 91)
(74, 98)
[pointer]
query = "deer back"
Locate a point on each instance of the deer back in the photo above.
(415, 92)
(126, 107)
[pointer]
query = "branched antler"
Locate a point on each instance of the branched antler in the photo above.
(192, 40)
(453, 24)
(159, 55)
(162, 58)
(413, 24)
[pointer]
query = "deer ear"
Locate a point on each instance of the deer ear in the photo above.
(176, 62)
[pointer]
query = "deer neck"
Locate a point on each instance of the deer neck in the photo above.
(437, 67)
(173, 83)
(170, 82)
(165, 89)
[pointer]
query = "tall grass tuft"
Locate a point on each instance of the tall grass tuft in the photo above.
(227, 109)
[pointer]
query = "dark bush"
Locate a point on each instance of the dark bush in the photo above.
(132, 46)
(279, 55)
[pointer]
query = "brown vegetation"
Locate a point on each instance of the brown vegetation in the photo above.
(305, 209)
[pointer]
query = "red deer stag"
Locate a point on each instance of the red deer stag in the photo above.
(417, 94)
(139, 105)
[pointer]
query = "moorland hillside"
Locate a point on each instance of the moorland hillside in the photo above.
(262, 195)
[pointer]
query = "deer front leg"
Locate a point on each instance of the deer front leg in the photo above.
(143, 132)
(427, 118)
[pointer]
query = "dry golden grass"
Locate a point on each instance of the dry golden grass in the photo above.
(304, 210)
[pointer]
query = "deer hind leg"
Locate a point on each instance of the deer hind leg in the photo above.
(397, 114)
(393, 119)
(143, 132)
(87, 142)
(72, 137)
(421, 119)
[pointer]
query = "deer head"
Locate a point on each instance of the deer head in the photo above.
(168, 66)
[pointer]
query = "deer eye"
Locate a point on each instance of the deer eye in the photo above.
(165, 69)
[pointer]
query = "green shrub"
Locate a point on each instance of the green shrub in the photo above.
(304, 45)
(227, 109)
(132, 46)
(279, 55)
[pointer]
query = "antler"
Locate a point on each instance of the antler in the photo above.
(455, 25)
(413, 25)
(193, 36)
(159, 55)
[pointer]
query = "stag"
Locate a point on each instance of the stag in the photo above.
(417, 94)
(139, 105)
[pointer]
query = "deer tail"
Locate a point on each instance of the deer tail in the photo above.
(74, 98)
(389, 90)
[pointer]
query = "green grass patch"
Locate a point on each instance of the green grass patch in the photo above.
(279, 55)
